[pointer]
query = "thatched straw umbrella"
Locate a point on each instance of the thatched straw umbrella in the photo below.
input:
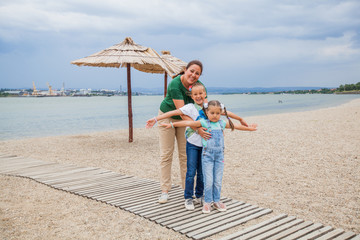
(128, 54)
(178, 62)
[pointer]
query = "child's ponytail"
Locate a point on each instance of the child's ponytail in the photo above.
(204, 108)
(230, 122)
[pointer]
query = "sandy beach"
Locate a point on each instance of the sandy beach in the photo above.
(304, 164)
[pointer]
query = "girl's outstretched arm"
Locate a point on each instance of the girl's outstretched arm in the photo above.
(151, 122)
(237, 126)
(234, 116)
(182, 124)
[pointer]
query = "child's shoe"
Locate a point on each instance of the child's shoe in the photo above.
(163, 197)
(221, 207)
(189, 205)
(206, 208)
(200, 200)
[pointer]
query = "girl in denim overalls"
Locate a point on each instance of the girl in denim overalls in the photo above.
(213, 151)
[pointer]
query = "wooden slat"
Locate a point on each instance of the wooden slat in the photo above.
(207, 219)
(109, 194)
(189, 216)
(69, 175)
(345, 236)
(76, 175)
(51, 176)
(32, 168)
(83, 180)
(88, 182)
(332, 234)
(139, 192)
(50, 171)
(304, 232)
(270, 234)
(135, 200)
(113, 194)
(253, 228)
(119, 184)
(153, 206)
(317, 233)
(88, 187)
(7, 156)
(206, 226)
(17, 169)
(220, 228)
(267, 228)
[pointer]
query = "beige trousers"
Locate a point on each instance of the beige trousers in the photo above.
(167, 138)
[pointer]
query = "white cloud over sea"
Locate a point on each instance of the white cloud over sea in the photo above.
(243, 43)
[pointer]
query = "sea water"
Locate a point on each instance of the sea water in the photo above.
(24, 117)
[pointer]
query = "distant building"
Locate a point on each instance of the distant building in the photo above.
(13, 92)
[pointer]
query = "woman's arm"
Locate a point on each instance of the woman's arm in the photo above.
(180, 104)
(151, 122)
(182, 124)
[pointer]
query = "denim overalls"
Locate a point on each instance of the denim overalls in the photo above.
(213, 160)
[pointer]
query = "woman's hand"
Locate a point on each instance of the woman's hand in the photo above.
(202, 132)
(151, 122)
(166, 125)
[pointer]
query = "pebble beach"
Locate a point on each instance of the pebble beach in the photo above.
(304, 164)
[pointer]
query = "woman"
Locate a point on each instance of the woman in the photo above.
(177, 96)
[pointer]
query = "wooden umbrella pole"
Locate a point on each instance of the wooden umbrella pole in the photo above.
(129, 103)
(165, 84)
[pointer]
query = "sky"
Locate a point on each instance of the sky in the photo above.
(241, 43)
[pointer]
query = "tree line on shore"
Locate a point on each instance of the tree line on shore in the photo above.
(349, 87)
(342, 89)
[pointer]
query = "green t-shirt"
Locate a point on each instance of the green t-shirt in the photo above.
(176, 91)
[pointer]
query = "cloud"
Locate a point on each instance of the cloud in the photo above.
(277, 51)
(226, 20)
(249, 35)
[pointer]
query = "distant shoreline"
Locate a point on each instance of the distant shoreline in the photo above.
(215, 93)
(348, 88)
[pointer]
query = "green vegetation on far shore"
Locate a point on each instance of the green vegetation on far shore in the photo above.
(342, 89)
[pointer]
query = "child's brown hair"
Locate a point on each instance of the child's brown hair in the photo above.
(196, 84)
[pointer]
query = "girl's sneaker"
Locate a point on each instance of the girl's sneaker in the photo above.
(200, 200)
(206, 208)
(221, 207)
(189, 205)
(163, 197)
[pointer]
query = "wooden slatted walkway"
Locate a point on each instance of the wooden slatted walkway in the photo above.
(140, 196)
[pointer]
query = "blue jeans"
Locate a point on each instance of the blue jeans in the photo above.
(213, 166)
(194, 167)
